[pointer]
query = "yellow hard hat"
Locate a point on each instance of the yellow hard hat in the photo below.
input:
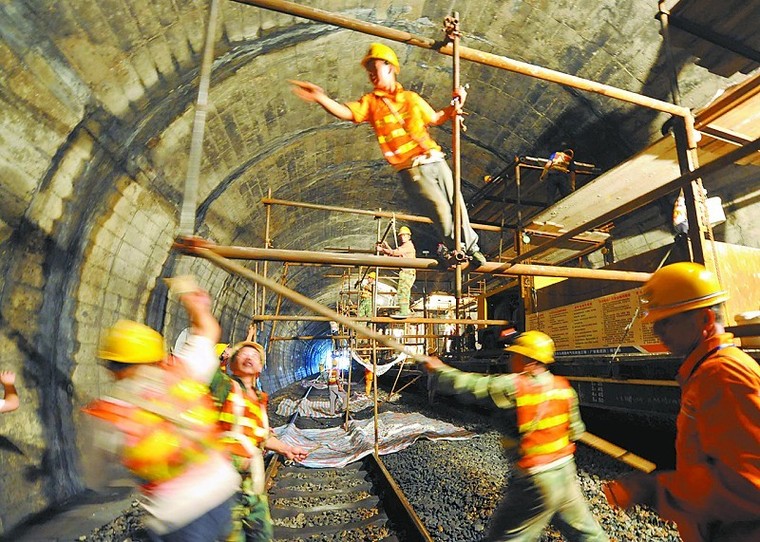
(132, 342)
(404, 230)
(381, 52)
(256, 346)
(678, 288)
(534, 345)
(371, 274)
(219, 348)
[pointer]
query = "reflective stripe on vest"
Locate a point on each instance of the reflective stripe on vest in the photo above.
(543, 420)
(168, 422)
(243, 421)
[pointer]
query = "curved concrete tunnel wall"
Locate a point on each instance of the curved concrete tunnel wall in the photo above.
(97, 116)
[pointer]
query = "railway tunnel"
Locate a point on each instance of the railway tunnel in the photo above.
(99, 105)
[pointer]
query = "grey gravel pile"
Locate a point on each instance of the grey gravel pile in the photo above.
(454, 486)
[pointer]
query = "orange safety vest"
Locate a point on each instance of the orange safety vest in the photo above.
(332, 377)
(559, 161)
(168, 421)
(543, 421)
(401, 127)
(243, 421)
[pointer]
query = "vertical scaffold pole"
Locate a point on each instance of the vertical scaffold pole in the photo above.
(451, 25)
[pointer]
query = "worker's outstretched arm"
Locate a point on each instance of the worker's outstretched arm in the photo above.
(309, 92)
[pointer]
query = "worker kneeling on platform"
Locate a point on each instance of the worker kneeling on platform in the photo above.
(544, 482)
(714, 493)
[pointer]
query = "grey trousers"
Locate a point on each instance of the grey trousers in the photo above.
(430, 188)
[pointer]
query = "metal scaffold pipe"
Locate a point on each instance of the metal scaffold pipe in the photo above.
(379, 320)
(391, 262)
(374, 214)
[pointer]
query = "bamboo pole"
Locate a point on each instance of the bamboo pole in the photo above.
(621, 454)
(379, 320)
(480, 57)
(391, 262)
(309, 304)
(365, 212)
(190, 195)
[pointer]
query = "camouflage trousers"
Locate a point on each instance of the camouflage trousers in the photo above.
(406, 279)
(251, 521)
(365, 307)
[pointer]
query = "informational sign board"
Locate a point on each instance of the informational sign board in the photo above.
(598, 326)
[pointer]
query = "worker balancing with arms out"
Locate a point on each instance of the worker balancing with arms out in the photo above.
(400, 119)
(160, 418)
(714, 493)
(544, 485)
(245, 430)
(335, 393)
(406, 277)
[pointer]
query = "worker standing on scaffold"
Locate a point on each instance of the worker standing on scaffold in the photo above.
(406, 277)
(400, 119)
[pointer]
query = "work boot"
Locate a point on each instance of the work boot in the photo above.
(478, 260)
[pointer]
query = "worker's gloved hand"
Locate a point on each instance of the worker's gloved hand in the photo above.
(636, 488)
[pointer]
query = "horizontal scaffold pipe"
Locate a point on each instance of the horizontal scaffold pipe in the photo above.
(480, 57)
(375, 214)
(390, 262)
(380, 320)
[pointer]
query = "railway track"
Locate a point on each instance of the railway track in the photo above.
(359, 502)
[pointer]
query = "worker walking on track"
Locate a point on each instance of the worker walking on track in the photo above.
(544, 485)
(714, 493)
(161, 419)
(245, 434)
(400, 119)
(406, 277)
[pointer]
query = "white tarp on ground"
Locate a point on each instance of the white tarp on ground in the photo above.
(335, 447)
(320, 408)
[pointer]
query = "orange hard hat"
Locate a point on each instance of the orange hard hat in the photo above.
(381, 52)
(677, 288)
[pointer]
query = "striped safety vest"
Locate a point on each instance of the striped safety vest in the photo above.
(169, 422)
(543, 421)
(243, 421)
(401, 128)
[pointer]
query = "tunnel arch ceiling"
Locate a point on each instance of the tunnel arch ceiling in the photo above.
(97, 115)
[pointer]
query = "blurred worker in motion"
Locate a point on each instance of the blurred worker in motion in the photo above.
(164, 423)
(559, 172)
(335, 391)
(400, 119)
(544, 484)
(245, 434)
(365, 296)
(406, 277)
(714, 493)
(10, 399)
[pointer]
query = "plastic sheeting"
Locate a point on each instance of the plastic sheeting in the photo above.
(320, 408)
(335, 447)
